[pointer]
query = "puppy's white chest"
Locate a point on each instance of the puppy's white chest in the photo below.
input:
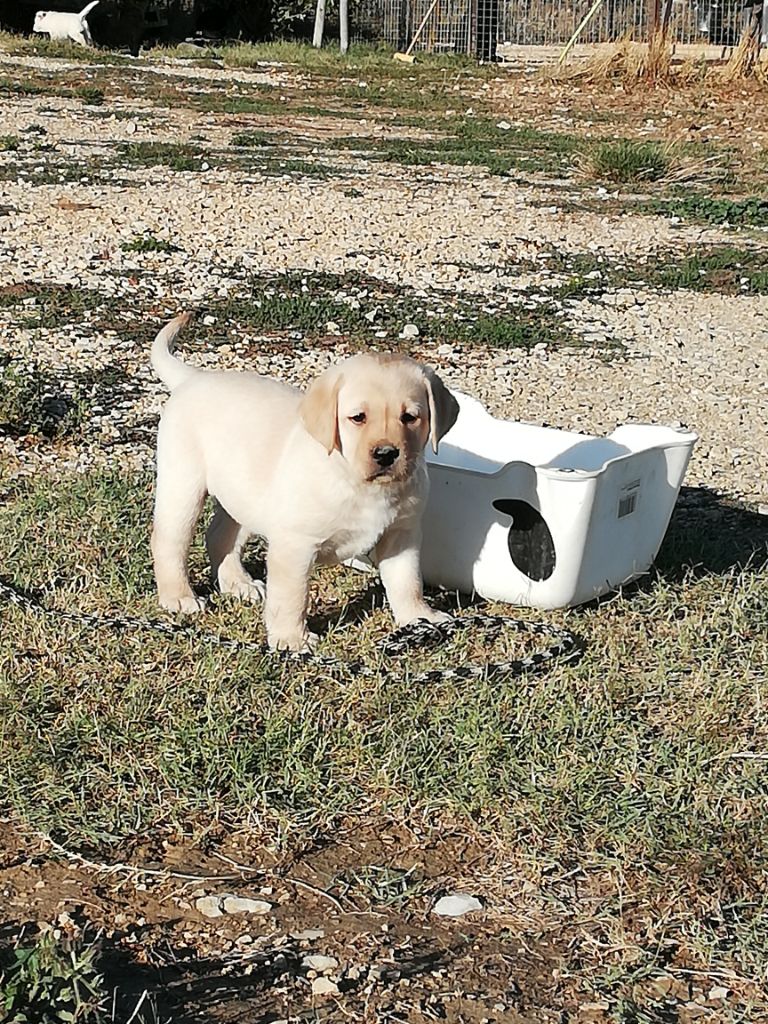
(363, 525)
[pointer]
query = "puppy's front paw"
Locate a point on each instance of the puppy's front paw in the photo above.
(433, 615)
(302, 642)
(244, 588)
(187, 604)
(426, 613)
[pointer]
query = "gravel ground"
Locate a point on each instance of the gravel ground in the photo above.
(691, 358)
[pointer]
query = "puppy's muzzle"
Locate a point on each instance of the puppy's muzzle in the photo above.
(384, 455)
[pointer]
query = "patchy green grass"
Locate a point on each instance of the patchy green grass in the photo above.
(40, 404)
(90, 95)
(177, 156)
(369, 311)
(724, 270)
(750, 211)
(34, 402)
(9, 143)
(373, 59)
(275, 166)
(58, 49)
(250, 140)
(149, 243)
(48, 305)
(480, 142)
(47, 168)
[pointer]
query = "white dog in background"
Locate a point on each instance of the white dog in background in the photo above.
(60, 25)
(324, 476)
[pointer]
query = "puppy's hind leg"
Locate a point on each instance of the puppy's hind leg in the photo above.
(178, 502)
(225, 541)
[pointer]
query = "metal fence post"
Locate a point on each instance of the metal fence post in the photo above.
(317, 38)
(343, 25)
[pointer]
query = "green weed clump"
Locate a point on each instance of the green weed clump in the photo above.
(751, 211)
(149, 243)
(175, 155)
(626, 161)
(53, 980)
(248, 140)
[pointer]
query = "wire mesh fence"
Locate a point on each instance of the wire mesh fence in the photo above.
(476, 26)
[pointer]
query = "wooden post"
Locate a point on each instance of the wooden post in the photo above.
(653, 17)
(317, 38)
(343, 25)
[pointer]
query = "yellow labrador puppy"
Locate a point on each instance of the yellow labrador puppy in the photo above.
(324, 476)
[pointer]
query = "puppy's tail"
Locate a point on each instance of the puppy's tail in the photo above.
(168, 368)
(87, 9)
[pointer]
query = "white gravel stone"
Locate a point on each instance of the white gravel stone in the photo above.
(245, 905)
(324, 987)
(209, 906)
(456, 905)
(318, 962)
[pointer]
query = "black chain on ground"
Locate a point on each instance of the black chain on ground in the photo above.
(404, 640)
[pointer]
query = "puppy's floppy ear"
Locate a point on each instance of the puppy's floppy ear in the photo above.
(319, 410)
(443, 407)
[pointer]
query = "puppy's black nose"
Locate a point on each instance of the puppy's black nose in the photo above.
(385, 454)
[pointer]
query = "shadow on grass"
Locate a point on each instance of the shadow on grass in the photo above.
(710, 533)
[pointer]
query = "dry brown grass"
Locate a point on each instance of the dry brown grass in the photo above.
(745, 61)
(627, 62)
(630, 63)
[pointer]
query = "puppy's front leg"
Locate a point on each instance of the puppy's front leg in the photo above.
(285, 611)
(398, 556)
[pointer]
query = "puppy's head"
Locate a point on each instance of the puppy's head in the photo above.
(40, 19)
(379, 412)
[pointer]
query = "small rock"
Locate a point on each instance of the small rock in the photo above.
(694, 1010)
(332, 328)
(244, 905)
(318, 962)
(456, 905)
(324, 987)
(308, 934)
(209, 906)
(409, 331)
(504, 125)
(383, 972)
(717, 993)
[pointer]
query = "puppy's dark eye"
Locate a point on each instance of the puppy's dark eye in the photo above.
(408, 417)
(358, 417)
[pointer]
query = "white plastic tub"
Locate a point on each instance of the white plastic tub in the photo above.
(547, 518)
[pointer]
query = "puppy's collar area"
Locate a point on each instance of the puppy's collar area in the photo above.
(406, 640)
